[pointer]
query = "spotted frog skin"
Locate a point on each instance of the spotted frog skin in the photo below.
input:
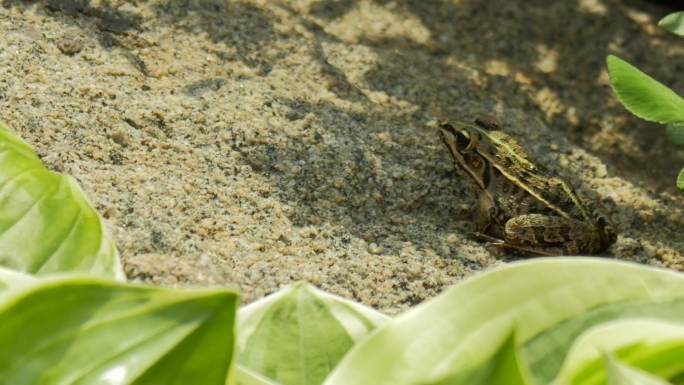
(522, 207)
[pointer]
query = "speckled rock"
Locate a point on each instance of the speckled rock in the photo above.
(256, 143)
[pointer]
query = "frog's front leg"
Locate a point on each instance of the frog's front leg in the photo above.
(550, 235)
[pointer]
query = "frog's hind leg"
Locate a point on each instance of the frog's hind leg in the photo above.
(549, 234)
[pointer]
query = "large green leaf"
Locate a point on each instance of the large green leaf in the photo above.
(549, 302)
(10, 279)
(298, 335)
(642, 95)
(46, 223)
(621, 374)
(674, 23)
(680, 179)
(503, 368)
(247, 376)
(83, 330)
(647, 344)
(13, 280)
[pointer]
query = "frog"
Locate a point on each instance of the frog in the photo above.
(522, 206)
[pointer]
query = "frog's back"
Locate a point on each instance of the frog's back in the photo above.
(549, 193)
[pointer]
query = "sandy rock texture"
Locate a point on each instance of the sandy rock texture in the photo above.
(256, 143)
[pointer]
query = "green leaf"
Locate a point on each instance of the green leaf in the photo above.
(680, 179)
(246, 376)
(549, 302)
(503, 368)
(674, 23)
(10, 279)
(82, 330)
(622, 374)
(46, 223)
(642, 95)
(647, 344)
(675, 133)
(298, 335)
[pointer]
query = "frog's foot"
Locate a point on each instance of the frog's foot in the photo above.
(500, 244)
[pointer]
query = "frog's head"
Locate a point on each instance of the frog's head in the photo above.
(464, 143)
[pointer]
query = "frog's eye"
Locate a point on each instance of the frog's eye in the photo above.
(460, 138)
(463, 139)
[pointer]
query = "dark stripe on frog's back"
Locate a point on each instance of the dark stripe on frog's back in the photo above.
(520, 170)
